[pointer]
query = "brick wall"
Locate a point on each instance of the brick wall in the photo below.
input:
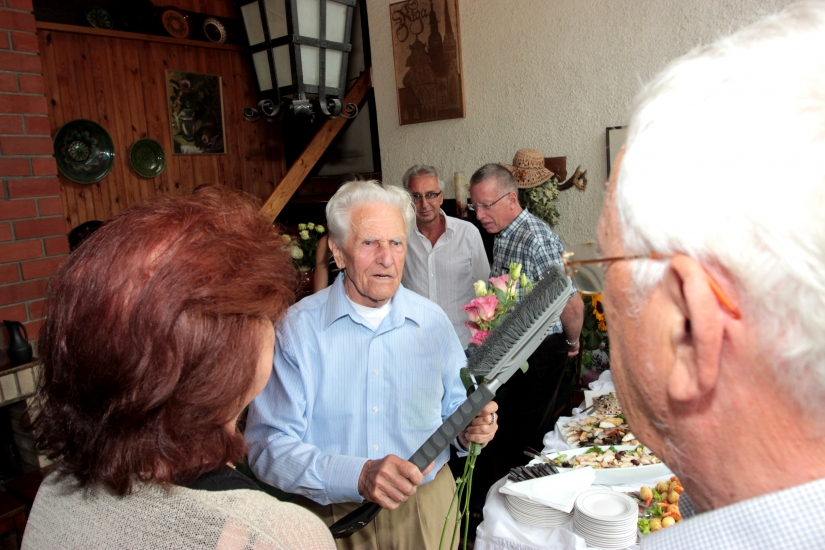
(32, 225)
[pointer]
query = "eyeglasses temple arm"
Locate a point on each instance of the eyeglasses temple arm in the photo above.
(726, 302)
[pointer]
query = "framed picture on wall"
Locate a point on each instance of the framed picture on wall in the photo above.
(427, 51)
(616, 136)
(195, 113)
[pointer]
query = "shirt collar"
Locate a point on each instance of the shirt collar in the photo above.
(514, 225)
(449, 222)
(338, 306)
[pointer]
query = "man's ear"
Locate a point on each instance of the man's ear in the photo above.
(697, 331)
(338, 254)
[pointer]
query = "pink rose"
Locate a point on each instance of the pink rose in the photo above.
(482, 308)
(487, 307)
(479, 337)
(473, 328)
(472, 312)
(501, 282)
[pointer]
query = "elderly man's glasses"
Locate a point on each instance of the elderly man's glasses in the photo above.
(585, 266)
(474, 207)
(416, 197)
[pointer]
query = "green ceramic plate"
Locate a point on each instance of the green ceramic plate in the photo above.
(84, 151)
(147, 158)
(99, 18)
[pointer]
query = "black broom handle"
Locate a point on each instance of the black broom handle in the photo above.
(427, 453)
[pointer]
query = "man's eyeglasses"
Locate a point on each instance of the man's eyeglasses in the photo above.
(416, 197)
(584, 265)
(474, 207)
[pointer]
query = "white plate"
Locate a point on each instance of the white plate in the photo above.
(617, 476)
(618, 533)
(606, 506)
(531, 519)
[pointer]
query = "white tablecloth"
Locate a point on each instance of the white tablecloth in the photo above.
(500, 530)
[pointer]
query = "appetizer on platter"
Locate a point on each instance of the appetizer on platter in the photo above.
(610, 457)
(661, 505)
(598, 429)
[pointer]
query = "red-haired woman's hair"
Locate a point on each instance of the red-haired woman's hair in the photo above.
(152, 339)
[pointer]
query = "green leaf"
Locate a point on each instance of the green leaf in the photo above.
(524, 366)
(466, 379)
(644, 526)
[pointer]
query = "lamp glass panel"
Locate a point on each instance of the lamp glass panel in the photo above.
(282, 67)
(252, 21)
(309, 19)
(333, 68)
(261, 64)
(276, 18)
(336, 21)
(309, 62)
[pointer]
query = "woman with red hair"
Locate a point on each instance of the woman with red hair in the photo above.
(159, 332)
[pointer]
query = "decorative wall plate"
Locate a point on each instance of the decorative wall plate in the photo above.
(84, 151)
(214, 30)
(147, 158)
(99, 18)
(176, 23)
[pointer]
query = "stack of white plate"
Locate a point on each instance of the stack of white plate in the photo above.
(605, 518)
(533, 513)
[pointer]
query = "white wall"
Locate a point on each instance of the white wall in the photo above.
(550, 75)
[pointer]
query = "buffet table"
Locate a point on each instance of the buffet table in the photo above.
(500, 530)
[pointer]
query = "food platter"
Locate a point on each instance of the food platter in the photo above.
(615, 476)
(597, 430)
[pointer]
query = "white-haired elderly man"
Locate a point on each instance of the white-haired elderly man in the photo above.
(364, 372)
(445, 255)
(715, 283)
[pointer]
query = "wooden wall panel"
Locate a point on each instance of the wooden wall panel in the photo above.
(120, 84)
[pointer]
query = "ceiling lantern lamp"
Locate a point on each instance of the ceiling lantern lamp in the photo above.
(299, 50)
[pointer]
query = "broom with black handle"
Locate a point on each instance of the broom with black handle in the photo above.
(506, 348)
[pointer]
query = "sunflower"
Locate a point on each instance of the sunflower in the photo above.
(598, 311)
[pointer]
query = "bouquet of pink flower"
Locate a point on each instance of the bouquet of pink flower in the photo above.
(495, 300)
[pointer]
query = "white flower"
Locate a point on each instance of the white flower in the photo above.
(286, 238)
(480, 287)
(304, 235)
(297, 253)
(319, 228)
(310, 226)
(302, 226)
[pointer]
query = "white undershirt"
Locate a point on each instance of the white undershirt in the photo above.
(372, 315)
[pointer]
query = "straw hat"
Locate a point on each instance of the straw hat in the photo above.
(528, 168)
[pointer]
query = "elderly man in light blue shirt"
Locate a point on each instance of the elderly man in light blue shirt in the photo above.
(364, 372)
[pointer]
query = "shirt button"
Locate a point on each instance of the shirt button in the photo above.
(375, 447)
(375, 409)
(375, 371)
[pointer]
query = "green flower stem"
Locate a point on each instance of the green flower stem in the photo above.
(463, 490)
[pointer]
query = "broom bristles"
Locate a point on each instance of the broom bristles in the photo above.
(545, 296)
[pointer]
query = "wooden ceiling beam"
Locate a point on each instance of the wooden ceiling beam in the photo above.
(309, 157)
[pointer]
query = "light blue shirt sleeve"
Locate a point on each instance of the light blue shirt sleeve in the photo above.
(278, 422)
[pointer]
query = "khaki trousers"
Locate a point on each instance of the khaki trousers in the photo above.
(414, 525)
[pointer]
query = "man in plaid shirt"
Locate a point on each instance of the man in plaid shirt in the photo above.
(529, 398)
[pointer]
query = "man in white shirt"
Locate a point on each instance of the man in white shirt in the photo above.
(714, 282)
(445, 255)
